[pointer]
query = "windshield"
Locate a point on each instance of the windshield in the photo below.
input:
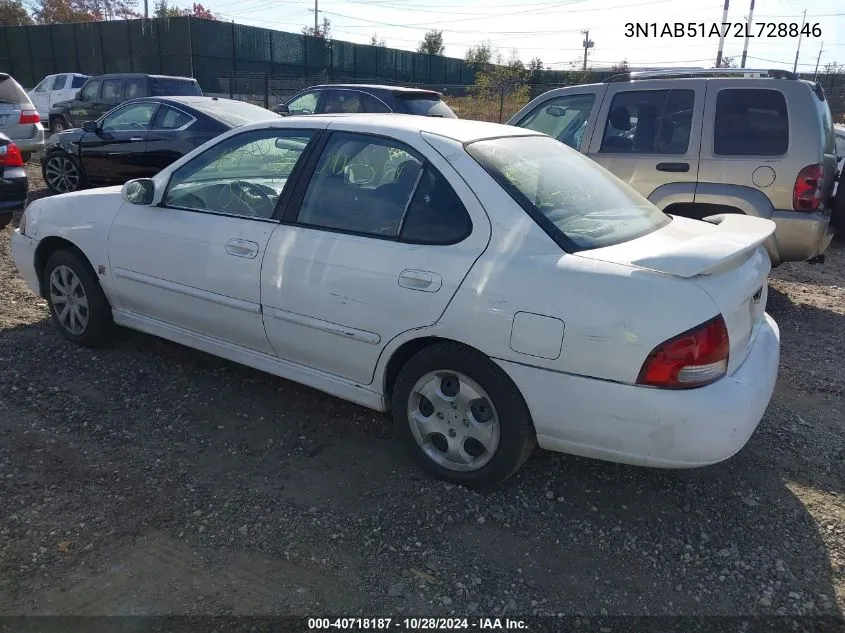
(427, 105)
(569, 195)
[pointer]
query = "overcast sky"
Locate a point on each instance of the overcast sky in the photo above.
(551, 30)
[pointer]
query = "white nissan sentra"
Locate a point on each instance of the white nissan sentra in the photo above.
(490, 287)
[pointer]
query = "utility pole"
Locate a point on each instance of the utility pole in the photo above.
(316, 19)
(798, 50)
(146, 9)
(818, 59)
(722, 32)
(747, 29)
(588, 44)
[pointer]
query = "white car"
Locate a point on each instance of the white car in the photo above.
(489, 286)
(55, 88)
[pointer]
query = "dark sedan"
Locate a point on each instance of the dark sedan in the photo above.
(139, 138)
(13, 181)
(355, 98)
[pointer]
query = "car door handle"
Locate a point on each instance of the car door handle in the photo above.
(678, 167)
(135, 139)
(423, 280)
(242, 248)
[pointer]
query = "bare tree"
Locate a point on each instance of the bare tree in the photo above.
(375, 40)
(323, 30)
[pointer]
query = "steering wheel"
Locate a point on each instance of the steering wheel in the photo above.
(237, 190)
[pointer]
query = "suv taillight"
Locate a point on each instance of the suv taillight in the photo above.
(29, 116)
(692, 359)
(10, 156)
(807, 193)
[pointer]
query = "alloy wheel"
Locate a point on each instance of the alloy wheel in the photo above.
(61, 174)
(67, 296)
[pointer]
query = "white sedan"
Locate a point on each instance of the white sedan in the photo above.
(490, 287)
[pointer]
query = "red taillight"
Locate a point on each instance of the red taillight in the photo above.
(10, 156)
(807, 193)
(29, 116)
(692, 359)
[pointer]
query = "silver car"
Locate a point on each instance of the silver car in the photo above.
(699, 143)
(19, 120)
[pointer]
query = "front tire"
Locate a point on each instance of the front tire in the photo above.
(461, 416)
(78, 305)
(62, 172)
(58, 125)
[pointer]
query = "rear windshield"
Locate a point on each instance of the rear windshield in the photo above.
(235, 113)
(426, 104)
(579, 204)
(11, 92)
(176, 88)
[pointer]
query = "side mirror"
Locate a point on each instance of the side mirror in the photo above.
(140, 192)
(90, 127)
(282, 109)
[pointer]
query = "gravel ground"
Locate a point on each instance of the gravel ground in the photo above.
(150, 478)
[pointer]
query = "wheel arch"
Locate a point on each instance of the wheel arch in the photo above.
(46, 248)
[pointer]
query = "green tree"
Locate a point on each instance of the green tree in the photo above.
(432, 43)
(535, 64)
(727, 62)
(482, 53)
(162, 9)
(375, 40)
(323, 30)
(12, 13)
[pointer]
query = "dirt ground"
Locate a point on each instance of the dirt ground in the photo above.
(147, 478)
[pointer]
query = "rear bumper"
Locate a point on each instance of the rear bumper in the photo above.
(32, 143)
(799, 236)
(652, 427)
(13, 190)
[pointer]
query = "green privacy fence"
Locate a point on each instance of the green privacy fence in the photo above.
(215, 53)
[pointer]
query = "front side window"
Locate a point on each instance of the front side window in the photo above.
(170, 119)
(91, 91)
(243, 175)
(579, 204)
(59, 82)
(304, 104)
(132, 118)
(649, 122)
(362, 184)
(563, 118)
(111, 89)
(750, 122)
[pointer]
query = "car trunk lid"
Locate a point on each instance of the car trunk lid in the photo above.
(724, 256)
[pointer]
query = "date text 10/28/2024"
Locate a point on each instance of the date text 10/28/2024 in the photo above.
(728, 29)
(417, 624)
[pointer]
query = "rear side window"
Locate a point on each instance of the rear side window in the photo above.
(176, 88)
(170, 119)
(59, 82)
(649, 122)
(426, 104)
(78, 82)
(111, 89)
(371, 104)
(135, 87)
(750, 122)
(436, 214)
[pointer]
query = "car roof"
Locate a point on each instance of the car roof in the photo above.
(391, 89)
(461, 130)
(228, 111)
(112, 75)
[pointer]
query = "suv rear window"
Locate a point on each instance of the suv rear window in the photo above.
(176, 87)
(750, 122)
(426, 104)
(577, 203)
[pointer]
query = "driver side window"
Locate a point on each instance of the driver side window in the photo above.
(243, 175)
(563, 118)
(91, 91)
(304, 104)
(132, 118)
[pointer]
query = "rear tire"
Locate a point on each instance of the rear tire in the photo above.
(78, 305)
(473, 427)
